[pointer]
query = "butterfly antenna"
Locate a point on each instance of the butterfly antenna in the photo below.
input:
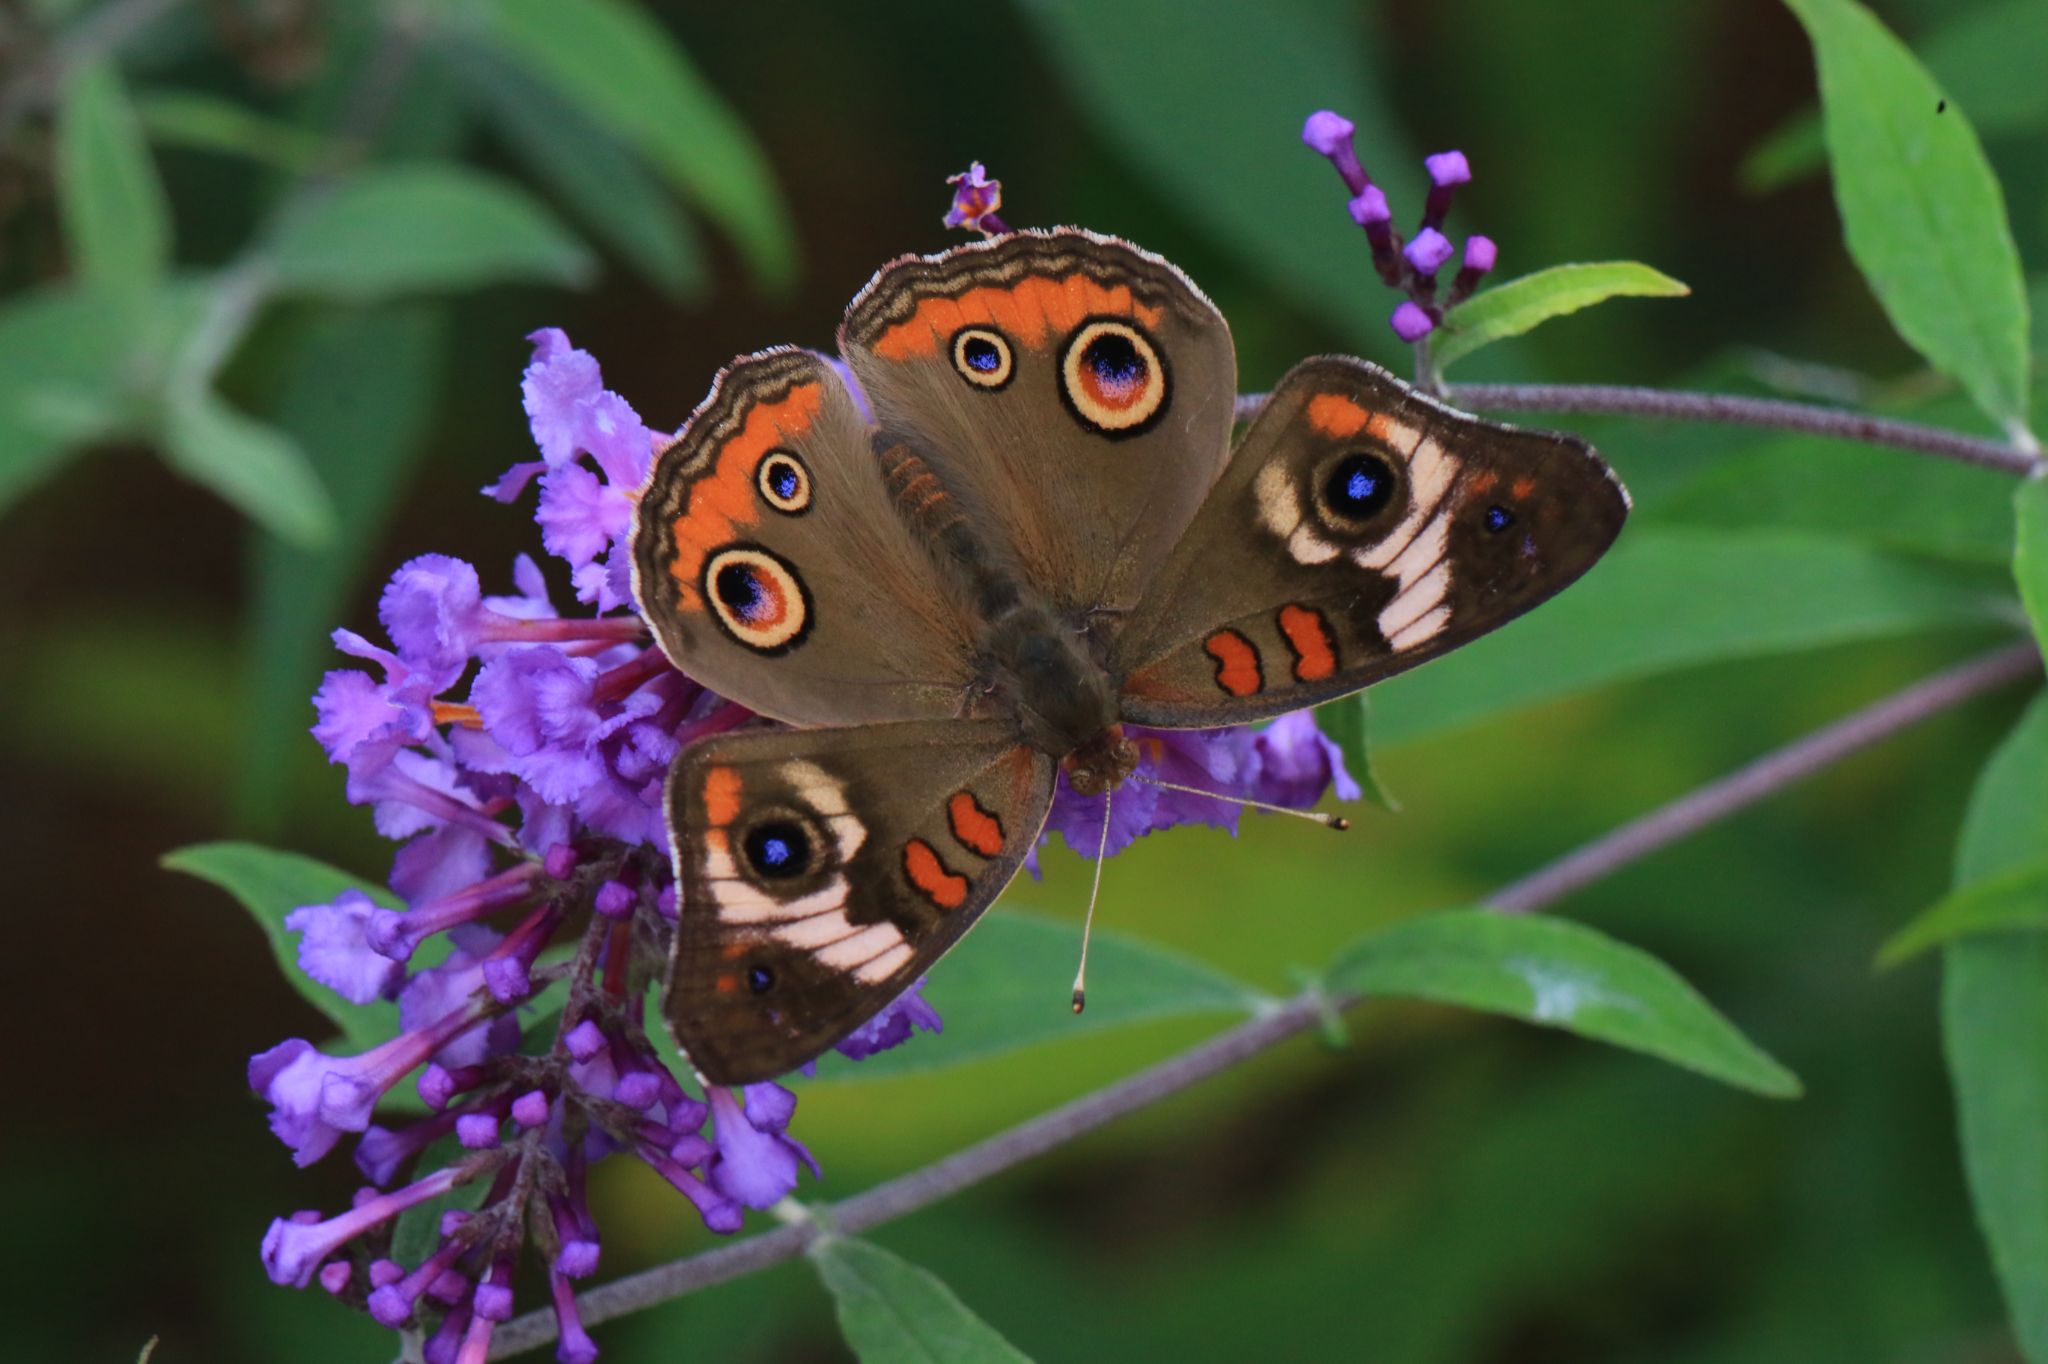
(1337, 822)
(1088, 923)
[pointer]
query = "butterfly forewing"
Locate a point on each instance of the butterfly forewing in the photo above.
(1358, 530)
(823, 871)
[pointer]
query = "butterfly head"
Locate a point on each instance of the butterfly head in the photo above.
(1105, 761)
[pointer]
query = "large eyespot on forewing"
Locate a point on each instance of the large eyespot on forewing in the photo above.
(984, 357)
(1112, 377)
(758, 598)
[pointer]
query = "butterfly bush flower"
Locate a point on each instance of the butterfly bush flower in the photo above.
(1411, 266)
(515, 750)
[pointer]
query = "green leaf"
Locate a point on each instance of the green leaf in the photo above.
(400, 229)
(615, 62)
(1347, 723)
(2030, 552)
(188, 118)
(255, 467)
(1995, 1031)
(1005, 987)
(2017, 899)
(587, 166)
(1990, 55)
(1667, 598)
(62, 353)
(359, 397)
(1562, 975)
(1169, 88)
(893, 1312)
(116, 220)
(417, 1232)
(1921, 212)
(270, 884)
(1522, 304)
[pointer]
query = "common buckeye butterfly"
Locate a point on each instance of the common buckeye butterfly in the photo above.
(1011, 520)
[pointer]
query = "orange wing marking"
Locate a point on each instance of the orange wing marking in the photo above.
(1308, 634)
(977, 829)
(947, 890)
(1237, 662)
(1336, 416)
(1030, 312)
(721, 796)
(726, 498)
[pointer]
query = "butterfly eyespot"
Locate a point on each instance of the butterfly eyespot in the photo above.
(1113, 379)
(1357, 488)
(778, 849)
(760, 979)
(983, 357)
(1498, 519)
(757, 598)
(784, 482)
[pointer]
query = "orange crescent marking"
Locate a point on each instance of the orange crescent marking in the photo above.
(1237, 662)
(726, 498)
(1523, 486)
(1483, 481)
(977, 829)
(1030, 312)
(947, 890)
(726, 985)
(1336, 416)
(721, 796)
(1308, 634)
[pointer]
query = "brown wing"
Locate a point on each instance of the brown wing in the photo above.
(823, 871)
(1069, 388)
(774, 568)
(1359, 530)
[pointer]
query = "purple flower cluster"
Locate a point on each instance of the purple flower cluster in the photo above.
(534, 867)
(1410, 266)
(975, 201)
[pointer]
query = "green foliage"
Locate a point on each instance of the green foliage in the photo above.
(2030, 551)
(116, 222)
(1520, 305)
(404, 229)
(1561, 975)
(1994, 1016)
(1921, 211)
(62, 354)
(1348, 724)
(270, 884)
(611, 60)
(893, 1312)
(2015, 899)
(253, 465)
(188, 118)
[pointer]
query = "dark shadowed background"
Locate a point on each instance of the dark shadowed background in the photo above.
(1450, 1188)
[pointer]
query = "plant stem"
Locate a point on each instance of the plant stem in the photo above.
(1775, 414)
(918, 1189)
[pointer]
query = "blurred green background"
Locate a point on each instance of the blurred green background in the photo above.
(1450, 1188)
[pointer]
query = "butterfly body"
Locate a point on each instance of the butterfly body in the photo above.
(1010, 522)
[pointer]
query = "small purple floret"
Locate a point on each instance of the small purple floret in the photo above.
(1410, 322)
(1479, 254)
(1370, 208)
(531, 1108)
(477, 1131)
(1428, 252)
(1447, 169)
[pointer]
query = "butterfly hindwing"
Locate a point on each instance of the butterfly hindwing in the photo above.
(1358, 530)
(1068, 388)
(822, 871)
(773, 567)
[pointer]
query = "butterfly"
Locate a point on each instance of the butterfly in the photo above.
(959, 559)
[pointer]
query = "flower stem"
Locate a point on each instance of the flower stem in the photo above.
(1305, 1012)
(1775, 414)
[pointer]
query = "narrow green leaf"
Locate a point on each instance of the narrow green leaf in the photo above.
(270, 884)
(1169, 88)
(61, 357)
(1347, 722)
(189, 118)
(2017, 899)
(116, 220)
(358, 396)
(614, 61)
(1995, 1031)
(417, 1233)
(1669, 598)
(1005, 987)
(893, 1312)
(253, 466)
(1921, 211)
(1563, 975)
(1990, 55)
(2030, 552)
(402, 229)
(1515, 307)
(592, 171)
